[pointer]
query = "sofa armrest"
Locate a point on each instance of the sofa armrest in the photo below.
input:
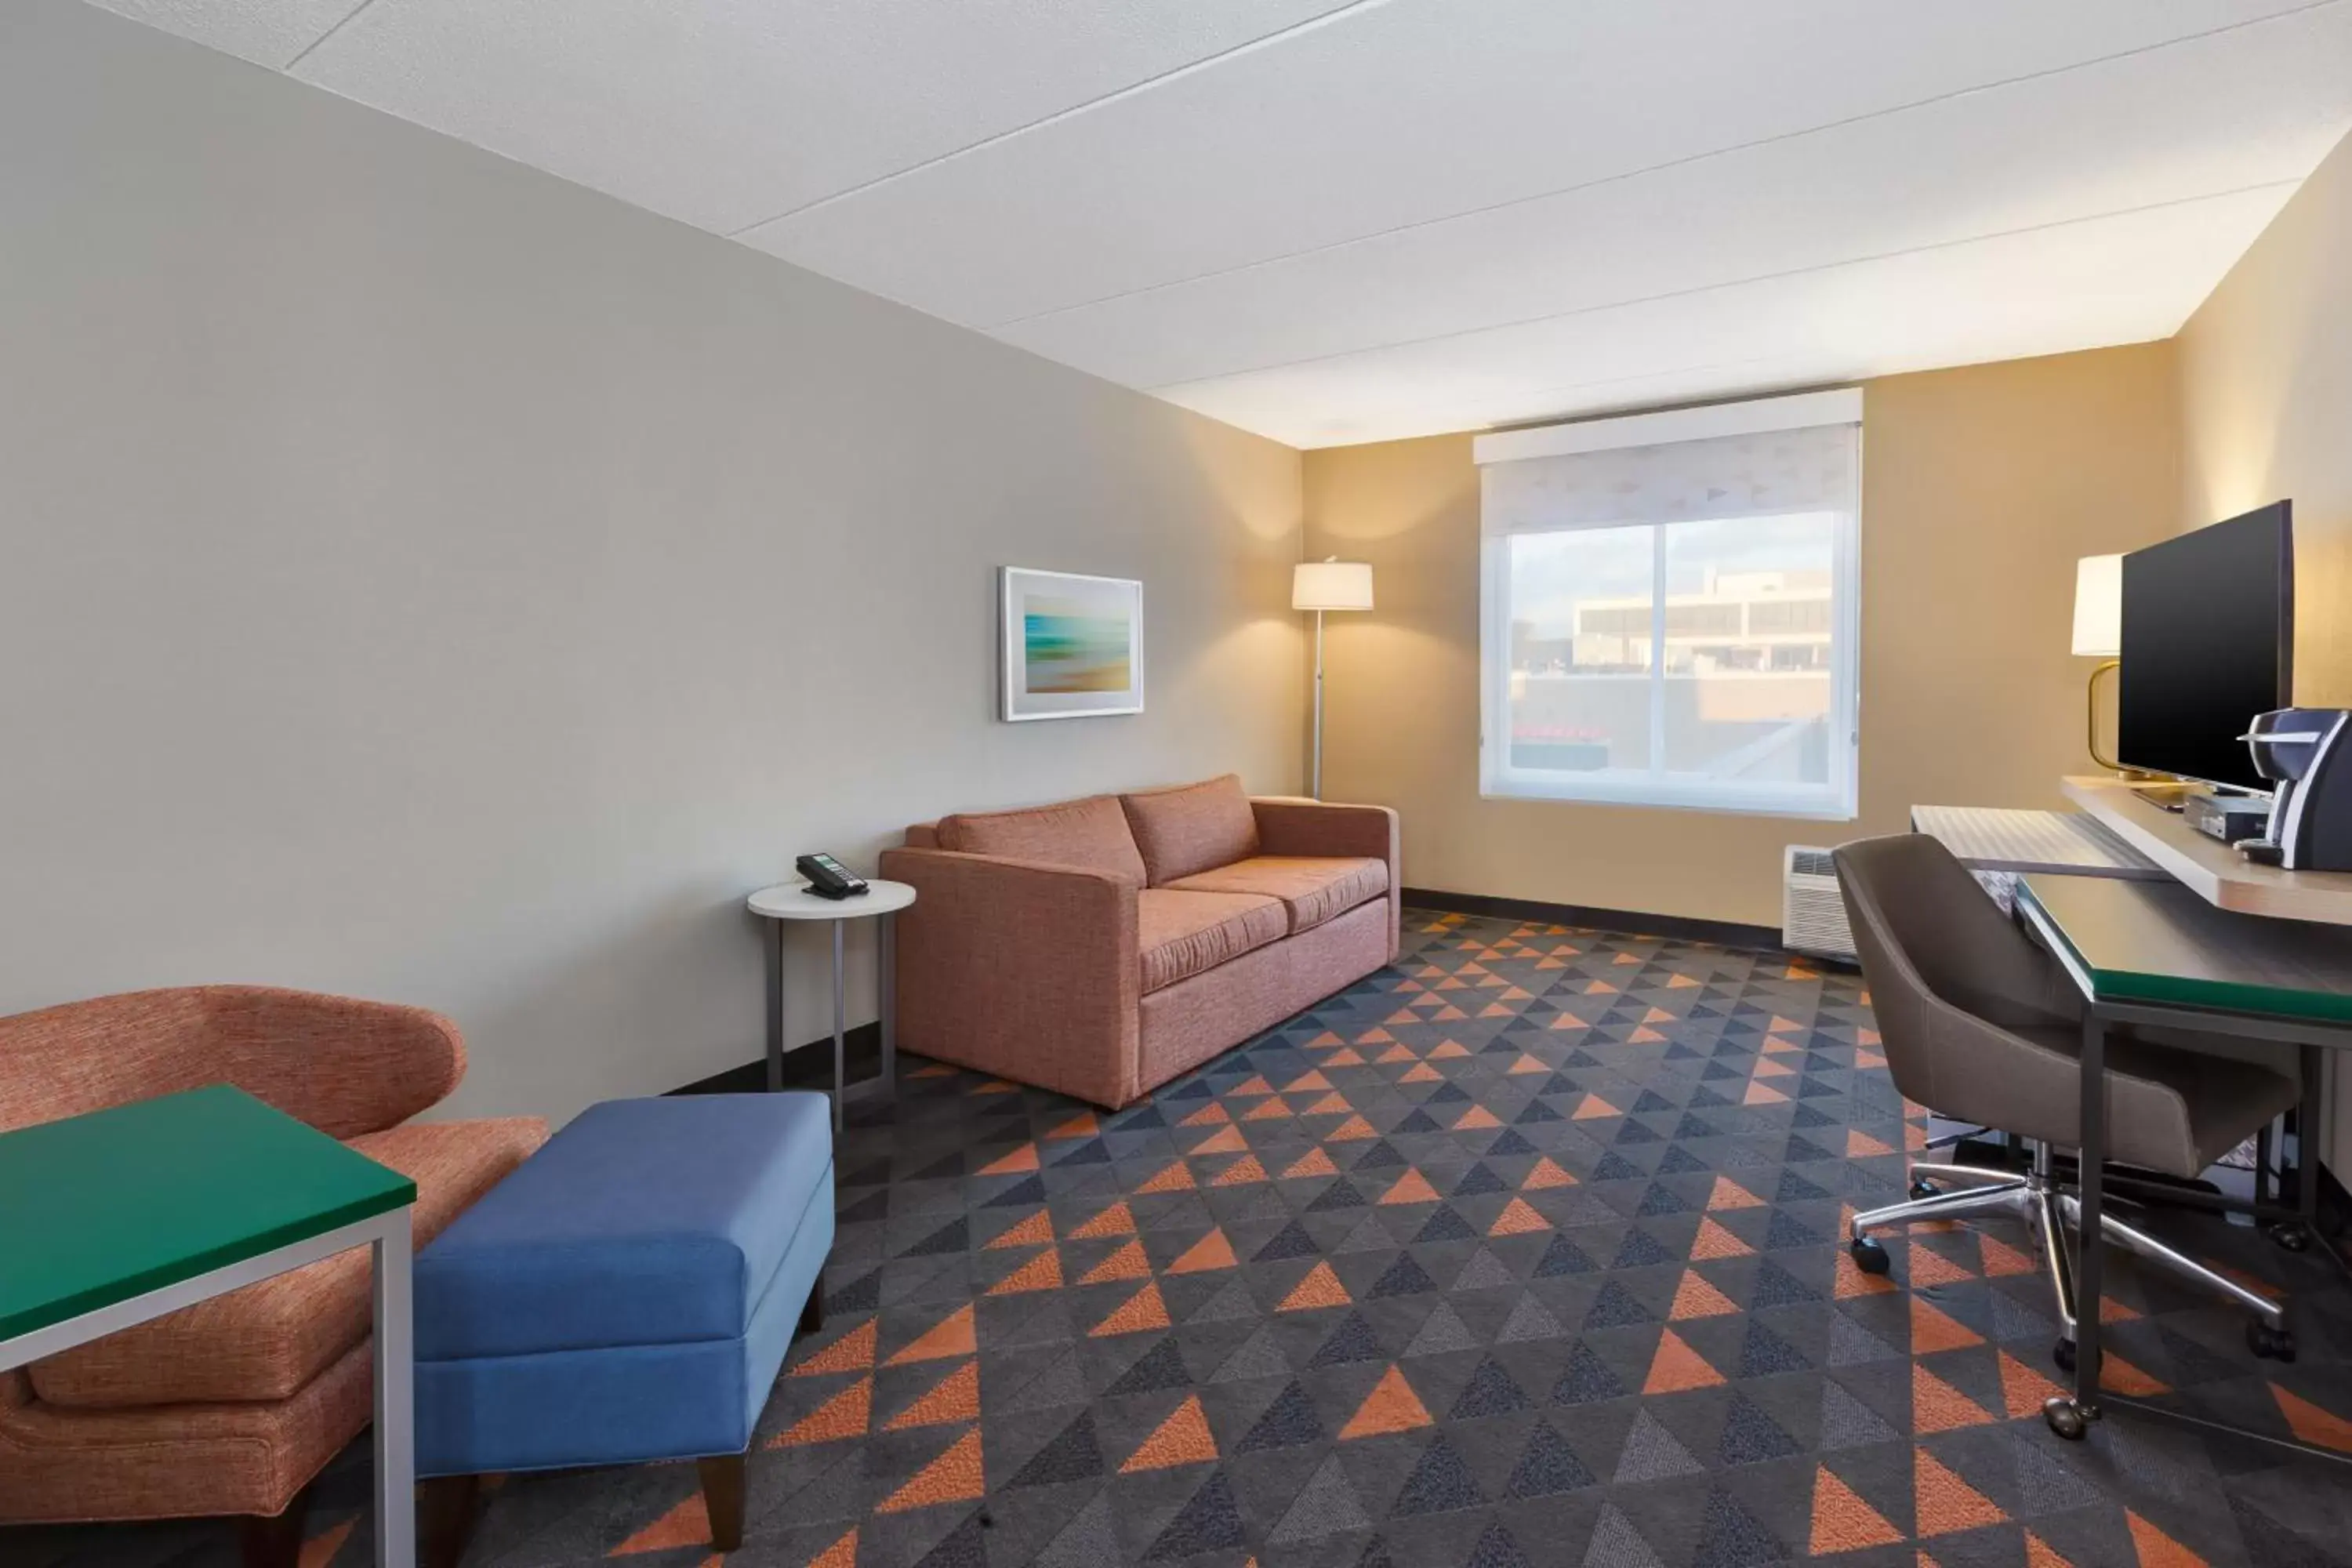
(1286, 827)
(1025, 970)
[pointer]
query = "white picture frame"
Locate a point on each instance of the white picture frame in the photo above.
(1070, 645)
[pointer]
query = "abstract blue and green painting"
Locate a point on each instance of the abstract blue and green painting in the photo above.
(1068, 647)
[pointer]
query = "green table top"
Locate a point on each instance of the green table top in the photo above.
(97, 1209)
(2161, 943)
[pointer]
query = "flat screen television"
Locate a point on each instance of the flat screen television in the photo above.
(2208, 642)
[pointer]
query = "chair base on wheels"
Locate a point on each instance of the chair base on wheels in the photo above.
(2055, 1216)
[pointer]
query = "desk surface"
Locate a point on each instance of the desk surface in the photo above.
(2161, 943)
(2213, 869)
(98, 1209)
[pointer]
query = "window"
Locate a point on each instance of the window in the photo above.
(1670, 608)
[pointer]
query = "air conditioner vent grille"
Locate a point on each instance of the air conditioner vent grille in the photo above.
(1812, 910)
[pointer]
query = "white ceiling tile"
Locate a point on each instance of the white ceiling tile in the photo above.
(1417, 111)
(2125, 278)
(727, 112)
(267, 32)
(2250, 108)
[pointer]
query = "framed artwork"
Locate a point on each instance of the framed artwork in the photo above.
(1072, 645)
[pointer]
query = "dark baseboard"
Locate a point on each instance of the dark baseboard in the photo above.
(1679, 928)
(805, 1067)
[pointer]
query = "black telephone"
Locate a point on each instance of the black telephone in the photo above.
(828, 877)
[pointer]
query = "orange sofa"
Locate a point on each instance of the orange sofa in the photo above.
(1101, 947)
(232, 1405)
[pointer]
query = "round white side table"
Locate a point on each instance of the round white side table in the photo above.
(789, 902)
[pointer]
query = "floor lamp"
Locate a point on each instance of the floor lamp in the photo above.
(1320, 586)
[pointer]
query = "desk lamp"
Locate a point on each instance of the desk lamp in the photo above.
(2098, 634)
(1320, 586)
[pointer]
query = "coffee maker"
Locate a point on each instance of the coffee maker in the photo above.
(2306, 754)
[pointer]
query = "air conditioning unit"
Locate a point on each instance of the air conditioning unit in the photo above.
(1813, 911)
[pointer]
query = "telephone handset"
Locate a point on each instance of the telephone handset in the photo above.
(828, 877)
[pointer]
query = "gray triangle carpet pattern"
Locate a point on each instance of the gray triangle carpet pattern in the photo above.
(1523, 1251)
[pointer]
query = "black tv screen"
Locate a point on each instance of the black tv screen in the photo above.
(2208, 643)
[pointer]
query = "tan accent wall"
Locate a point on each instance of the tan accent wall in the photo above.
(2266, 413)
(1982, 486)
(2266, 410)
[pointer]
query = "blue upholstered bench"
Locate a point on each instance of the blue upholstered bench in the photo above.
(627, 1294)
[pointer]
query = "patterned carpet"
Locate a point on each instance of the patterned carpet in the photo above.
(1526, 1251)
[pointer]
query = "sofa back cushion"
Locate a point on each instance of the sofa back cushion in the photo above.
(1192, 828)
(1090, 835)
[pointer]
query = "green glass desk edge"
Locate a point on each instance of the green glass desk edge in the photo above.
(2180, 991)
(59, 1310)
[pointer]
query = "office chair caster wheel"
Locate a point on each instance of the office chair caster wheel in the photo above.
(2292, 1235)
(2064, 1419)
(1869, 1256)
(2270, 1343)
(1923, 1189)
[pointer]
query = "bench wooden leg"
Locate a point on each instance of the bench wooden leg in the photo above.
(723, 1499)
(447, 1503)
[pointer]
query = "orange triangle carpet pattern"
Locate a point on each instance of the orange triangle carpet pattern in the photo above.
(1525, 1251)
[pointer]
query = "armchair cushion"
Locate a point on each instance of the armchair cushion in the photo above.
(1192, 827)
(1180, 934)
(1090, 835)
(270, 1340)
(1311, 888)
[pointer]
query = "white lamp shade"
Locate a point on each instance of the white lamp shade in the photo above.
(1331, 585)
(2099, 606)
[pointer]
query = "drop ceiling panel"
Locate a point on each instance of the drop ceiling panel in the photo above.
(727, 112)
(1418, 111)
(2119, 280)
(267, 32)
(2252, 108)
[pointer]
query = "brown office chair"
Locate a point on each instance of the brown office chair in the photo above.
(1983, 1025)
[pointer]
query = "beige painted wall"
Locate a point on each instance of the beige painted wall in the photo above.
(1981, 488)
(424, 578)
(2266, 413)
(2266, 410)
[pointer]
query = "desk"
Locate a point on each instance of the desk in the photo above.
(2156, 953)
(127, 1214)
(794, 901)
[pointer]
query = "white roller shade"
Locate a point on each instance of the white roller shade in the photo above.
(1590, 476)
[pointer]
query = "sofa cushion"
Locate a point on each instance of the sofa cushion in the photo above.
(1180, 934)
(268, 1340)
(643, 1222)
(1091, 835)
(1192, 827)
(1312, 889)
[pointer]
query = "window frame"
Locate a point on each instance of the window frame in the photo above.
(1835, 800)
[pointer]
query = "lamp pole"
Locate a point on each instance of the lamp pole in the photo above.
(1315, 786)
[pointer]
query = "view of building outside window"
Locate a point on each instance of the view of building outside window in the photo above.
(1694, 652)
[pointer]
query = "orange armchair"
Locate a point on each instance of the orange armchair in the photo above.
(232, 1405)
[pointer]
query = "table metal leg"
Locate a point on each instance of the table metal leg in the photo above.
(888, 1000)
(840, 1066)
(2068, 1417)
(2309, 1119)
(776, 1007)
(395, 1393)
